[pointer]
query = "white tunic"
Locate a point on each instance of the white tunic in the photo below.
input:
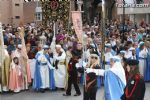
(32, 67)
(142, 60)
(44, 71)
(60, 73)
(128, 54)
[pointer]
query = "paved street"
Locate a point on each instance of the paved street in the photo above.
(30, 95)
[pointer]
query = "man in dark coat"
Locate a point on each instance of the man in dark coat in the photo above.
(73, 74)
(135, 89)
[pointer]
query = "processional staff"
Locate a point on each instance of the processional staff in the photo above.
(1, 56)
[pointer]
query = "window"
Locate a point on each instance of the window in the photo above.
(17, 4)
(27, 0)
(38, 16)
(17, 17)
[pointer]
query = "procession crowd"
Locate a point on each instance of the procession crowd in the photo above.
(34, 56)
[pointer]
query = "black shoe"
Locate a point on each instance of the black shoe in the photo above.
(77, 94)
(62, 89)
(42, 91)
(66, 94)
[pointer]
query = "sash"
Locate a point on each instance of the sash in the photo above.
(48, 62)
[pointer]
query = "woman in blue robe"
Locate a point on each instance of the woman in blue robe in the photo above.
(147, 70)
(38, 81)
(114, 79)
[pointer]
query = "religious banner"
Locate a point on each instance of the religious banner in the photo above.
(54, 10)
(77, 24)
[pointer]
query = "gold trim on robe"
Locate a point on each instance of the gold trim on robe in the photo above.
(5, 70)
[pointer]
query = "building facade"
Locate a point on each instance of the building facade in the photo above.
(29, 12)
(11, 12)
(135, 10)
(15, 12)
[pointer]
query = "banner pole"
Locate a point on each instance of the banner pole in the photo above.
(1, 55)
(103, 36)
(80, 2)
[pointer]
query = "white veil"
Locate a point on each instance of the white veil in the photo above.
(118, 70)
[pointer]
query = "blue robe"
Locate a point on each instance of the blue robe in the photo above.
(137, 53)
(147, 70)
(114, 87)
(37, 82)
(98, 81)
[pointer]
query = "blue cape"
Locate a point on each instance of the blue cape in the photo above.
(114, 87)
(37, 81)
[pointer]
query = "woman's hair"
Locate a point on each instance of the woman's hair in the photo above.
(125, 63)
(134, 70)
(69, 47)
(97, 62)
(16, 60)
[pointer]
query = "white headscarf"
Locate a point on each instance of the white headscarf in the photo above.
(118, 70)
